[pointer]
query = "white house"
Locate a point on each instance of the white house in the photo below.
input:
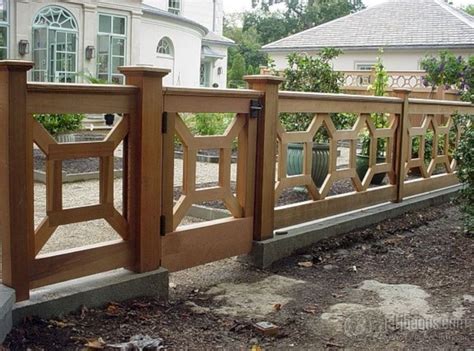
(407, 30)
(70, 38)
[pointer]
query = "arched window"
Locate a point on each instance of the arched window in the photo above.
(165, 47)
(55, 34)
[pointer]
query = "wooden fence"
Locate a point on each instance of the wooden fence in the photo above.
(149, 225)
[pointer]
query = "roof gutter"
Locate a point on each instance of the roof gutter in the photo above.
(373, 47)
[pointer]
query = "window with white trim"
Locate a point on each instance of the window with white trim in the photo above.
(174, 6)
(165, 47)
(111, 45)
(3, 29)
(55, 36)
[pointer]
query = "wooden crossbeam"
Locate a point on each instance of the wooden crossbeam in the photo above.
(80, 150)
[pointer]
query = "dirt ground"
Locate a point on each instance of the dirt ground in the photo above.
(406, 283)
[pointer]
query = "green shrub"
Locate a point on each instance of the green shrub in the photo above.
(464, 156)
(210, 123)
(380, 120)
(60, 123)
(313, 74)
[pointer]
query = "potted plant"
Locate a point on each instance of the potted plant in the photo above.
(61, 126)
(380, 120)
(311, 74)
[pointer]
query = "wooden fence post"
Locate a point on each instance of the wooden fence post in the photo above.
(16, 177)
(402, 140)
(266, 155)
(145, 165)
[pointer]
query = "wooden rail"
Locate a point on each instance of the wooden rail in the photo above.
(150, 230)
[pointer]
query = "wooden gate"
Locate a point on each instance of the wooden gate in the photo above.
(195, 244)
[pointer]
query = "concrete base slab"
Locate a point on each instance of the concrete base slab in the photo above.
(7, 300)
(265, 253)
(92, 291)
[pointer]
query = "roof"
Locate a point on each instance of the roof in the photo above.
(162, 13)
(398, 24)
(214, 38)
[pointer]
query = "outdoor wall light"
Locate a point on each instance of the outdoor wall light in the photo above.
(23, 47)
(90, 52)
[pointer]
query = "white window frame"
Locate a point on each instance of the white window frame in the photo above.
(49, 60)
(6, 24)
(175, 6)
(110, 37)
(170, 47)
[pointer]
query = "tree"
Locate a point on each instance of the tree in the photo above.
(237, 71)
(469, 9)
(247, 52)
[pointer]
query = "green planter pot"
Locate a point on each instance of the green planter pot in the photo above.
(362, 165)
(320, 166)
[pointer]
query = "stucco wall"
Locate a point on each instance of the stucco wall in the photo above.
(216, 78)
(185, 66)
(402, 60)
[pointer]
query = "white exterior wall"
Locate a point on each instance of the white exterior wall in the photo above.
(218, 65)
(185, 67)
(400, 60)
(200, 11)
(143, 34)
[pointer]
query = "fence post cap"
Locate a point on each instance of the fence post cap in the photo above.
(145, 70)
(267, 78)
(16, 65)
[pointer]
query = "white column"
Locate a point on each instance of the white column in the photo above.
(89, 38)
(134, 38)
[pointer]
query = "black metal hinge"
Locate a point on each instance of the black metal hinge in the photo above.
(255, 108)
(162, 225)
(164, 123)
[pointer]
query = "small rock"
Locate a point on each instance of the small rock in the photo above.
(196, 308)
(330, 267)
(342, 252)
(307, 264)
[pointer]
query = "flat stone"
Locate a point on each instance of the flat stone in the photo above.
(330, 267)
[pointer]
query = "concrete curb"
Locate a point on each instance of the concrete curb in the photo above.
(7, 300)
(92, 291)
(265, 253)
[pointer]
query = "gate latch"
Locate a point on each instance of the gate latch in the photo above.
(255, 108)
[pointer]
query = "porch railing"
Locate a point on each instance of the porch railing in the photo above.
(149, 224)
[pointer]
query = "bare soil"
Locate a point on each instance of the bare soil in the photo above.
(346, 291)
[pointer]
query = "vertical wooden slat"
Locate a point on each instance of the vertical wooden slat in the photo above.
(266, 155)
(16, 182)
(247, 144)
(145, 165)
(402, 143)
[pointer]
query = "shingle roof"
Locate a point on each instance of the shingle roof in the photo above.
(393, 24)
